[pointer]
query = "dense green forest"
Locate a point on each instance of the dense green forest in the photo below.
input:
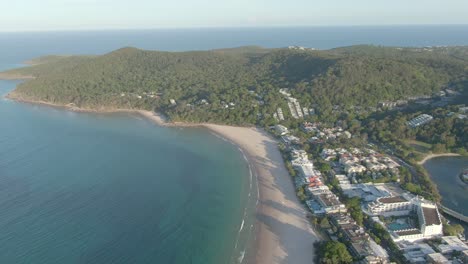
(240, 86)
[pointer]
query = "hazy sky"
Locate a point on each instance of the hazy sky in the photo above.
(20, 15)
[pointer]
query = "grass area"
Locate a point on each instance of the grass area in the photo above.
(419, 146)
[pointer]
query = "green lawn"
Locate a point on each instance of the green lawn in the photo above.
(419, 146)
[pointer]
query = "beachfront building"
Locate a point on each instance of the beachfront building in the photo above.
(302, 164)
(330, 203)
(290, 140)
(420, 120)
(281, 130)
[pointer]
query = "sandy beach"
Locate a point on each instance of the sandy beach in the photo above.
(431, 156)
(283, 233)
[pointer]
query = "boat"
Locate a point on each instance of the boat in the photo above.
(464, 176)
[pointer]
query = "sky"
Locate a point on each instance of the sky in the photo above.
(38, 15)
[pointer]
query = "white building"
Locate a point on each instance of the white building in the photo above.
(430, 223)
(391, 206)
(415, 253)
(354, 168)
(420, 120)
(437, 258)
(281, 130)
(429, 220)
(450, 244)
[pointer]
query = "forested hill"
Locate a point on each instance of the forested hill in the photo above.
(240, 86)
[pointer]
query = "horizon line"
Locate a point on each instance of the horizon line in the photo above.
(218, 27)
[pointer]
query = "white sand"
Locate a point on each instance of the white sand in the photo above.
(283, 232)
(431, 156)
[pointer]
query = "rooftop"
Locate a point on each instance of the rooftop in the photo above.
(431, 216)
(394, 199)
(408, 232)
(329, 199)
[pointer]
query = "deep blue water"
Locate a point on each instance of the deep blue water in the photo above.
(17, 47)
(115, 188)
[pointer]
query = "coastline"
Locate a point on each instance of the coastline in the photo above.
(282, 231)
(431, 156)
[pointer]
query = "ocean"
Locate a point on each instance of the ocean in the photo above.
(116, 188)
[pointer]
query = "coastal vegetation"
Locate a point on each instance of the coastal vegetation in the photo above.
(341, 87)
(240, 86)
(332, 252)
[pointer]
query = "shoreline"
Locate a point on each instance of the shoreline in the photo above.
(431, 156)
(283, 233)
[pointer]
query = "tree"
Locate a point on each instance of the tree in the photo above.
(334, 253)
(324, 223)
(453, 230)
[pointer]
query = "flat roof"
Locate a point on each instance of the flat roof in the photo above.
(329, 199)
(431, 216)
(393, 199)
(408, 232)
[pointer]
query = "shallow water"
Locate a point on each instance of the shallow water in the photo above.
(116, 188)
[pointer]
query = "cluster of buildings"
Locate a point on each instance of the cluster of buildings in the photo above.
(357, 161)
(462, 113)
(427, 225)
(415, 222)
(322, 133)
(144, 94)
(420, 120)
(322, 201)
(393, 104)
(286, 137)
(440, 252)
(410, 220)
(359, 242)
(294, 106)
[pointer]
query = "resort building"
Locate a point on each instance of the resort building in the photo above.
(429, 220)
(430, 223)
(391, 206)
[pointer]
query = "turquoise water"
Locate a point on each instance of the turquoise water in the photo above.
(397, 226)
(115, 188)
(444, 172)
